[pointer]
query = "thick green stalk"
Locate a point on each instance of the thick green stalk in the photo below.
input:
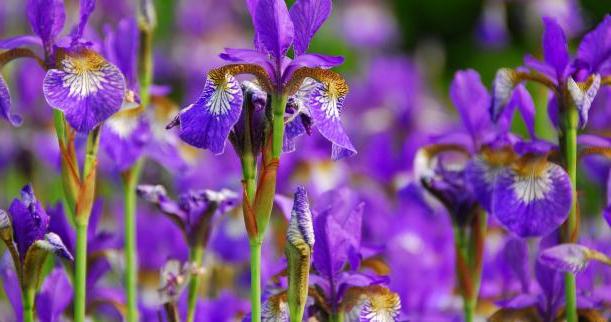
(80, 278)
(336, 317)
(83, 211)
(278, 108)
(572, 120)
(255, 280)
(28, 304)
(130, 180)
(196, 256)
(469, 310)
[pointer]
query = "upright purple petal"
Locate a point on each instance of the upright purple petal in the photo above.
(29, 219)
(274, 27)
(325, 103)
(555, 46)
(121, 47)
(86, 8)
(54, 297)
(571, 258)
(502, 89)
(308, 16)
(523, 101)
(86, 88)
(5, 105)
(595, 47)
(47, 19)
(532, 199)
(472, 100)
(207, 123)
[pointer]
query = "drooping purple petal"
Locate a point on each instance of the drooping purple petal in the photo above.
(29, 219)
(47, 19)
(472, 100)
(555, 46)
(595, 47)
(12, 288)
(20, 41)
(54, 297)
(274, 27)
(86, 88)
(325, 109)
(532, 200)
(207, 123)
(59, 224)
(583, 97)
(480, 176)
(124, 138)
(5, 105)
(308, 16)
(571, 258)
(292, 131)
(85, 10)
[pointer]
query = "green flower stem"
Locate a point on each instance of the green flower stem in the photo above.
(572, 120)
(469, 245)
(278, 107)
(196, 256)
(28, 304)
(69, 163)
(336, 317)
(80, 272)
(130, 180)
(255, 280)
(83, 211)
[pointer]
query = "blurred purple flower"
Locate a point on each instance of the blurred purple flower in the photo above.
(195, 211)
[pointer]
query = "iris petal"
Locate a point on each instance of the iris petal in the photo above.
(325, 104)
(86, 88)
(583, 95)
(207, 123)
(5, 105)
(532, 199)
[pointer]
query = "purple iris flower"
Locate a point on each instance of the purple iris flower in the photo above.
(25, 231)
(546, 301)
(317, 93)
(30, 225)
(194, 212)
(508, 176)
(579, 77)
(337, 227)
(79, 81)
(53, 299)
